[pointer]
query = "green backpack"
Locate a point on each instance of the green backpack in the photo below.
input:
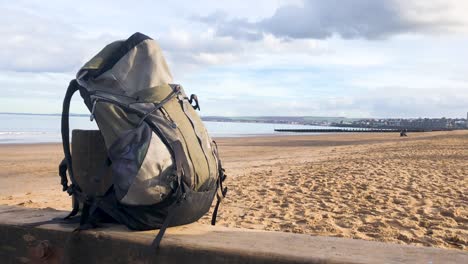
(165, 168)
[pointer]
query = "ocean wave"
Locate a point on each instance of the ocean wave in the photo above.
(12, 133)
(20, 137)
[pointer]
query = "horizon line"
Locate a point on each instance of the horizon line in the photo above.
(258, 116)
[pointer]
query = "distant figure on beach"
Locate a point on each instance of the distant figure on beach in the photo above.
(403, 133)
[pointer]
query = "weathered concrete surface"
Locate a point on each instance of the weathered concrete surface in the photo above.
(21, 242)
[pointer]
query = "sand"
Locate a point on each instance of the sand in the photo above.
(366, 186)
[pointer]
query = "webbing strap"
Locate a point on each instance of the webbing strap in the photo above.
(215, 212)
(72, 88)
(165, 225)
(75, 206)
(220, 190)
(181, 162)
(179, 195)
(175, 91)
(87, 219)
(63, 175)
(66, 164)
(196, 130)
(220, 194)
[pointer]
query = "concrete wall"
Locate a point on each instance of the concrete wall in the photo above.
(26, 236)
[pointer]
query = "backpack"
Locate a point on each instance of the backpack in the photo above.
(165, 167)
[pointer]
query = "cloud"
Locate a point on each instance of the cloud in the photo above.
(350, 19)
(404, 102)
(277, 58)
(188, 51)
(36, 43)
(399, 104)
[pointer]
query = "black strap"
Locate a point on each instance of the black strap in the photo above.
(220, 190)
(72, 88)
(194, 98)
(175, 91)
(179, 191)
(215, 212)
(220, 194)
(165, 225)
(75, 206)
(88, 217)
(179, 197)
(66, 164)
(116, 55)
(63, 175)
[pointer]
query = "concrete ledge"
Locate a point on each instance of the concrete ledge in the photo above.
(21, 242)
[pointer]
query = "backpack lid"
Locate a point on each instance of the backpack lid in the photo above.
(133, 65)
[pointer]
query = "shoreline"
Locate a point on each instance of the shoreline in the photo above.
(5, 142)
(291, 135)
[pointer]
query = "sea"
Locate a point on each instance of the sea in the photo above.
(33, 128)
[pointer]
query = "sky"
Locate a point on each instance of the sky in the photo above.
(349, 58)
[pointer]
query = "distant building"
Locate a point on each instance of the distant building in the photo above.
(426, 124)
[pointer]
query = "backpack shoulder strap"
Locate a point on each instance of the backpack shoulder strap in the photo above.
(66, 164)
(220, 190)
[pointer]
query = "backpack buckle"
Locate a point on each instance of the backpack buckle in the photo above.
(194, 98)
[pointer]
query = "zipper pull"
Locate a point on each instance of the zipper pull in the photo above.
(91, 117)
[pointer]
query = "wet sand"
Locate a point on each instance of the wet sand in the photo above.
(368, 186)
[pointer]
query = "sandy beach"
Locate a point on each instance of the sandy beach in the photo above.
(366, 186)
